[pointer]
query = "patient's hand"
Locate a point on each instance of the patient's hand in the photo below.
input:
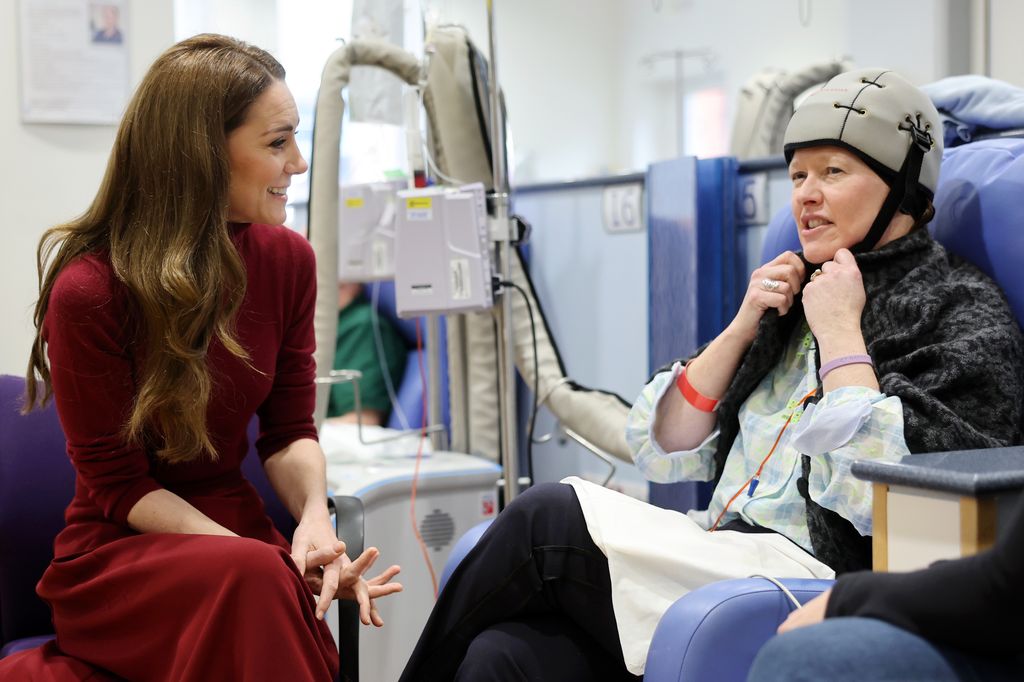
(811, 613)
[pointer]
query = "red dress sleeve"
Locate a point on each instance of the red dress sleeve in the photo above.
(286, 415)
(88, 336)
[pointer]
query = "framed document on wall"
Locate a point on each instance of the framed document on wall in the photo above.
(74, 60)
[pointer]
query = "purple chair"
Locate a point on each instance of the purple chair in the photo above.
(37, 482)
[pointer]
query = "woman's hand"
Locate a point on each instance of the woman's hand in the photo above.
(315, 551)
(811, 613)
(835, 299)
(773, 285)
(321, 559)
(352, 585)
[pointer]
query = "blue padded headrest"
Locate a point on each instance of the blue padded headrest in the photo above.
(780, 236)
(977, 209)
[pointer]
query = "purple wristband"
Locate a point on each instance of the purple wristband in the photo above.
(842, 362)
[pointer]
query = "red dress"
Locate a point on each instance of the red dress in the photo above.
(171, 606)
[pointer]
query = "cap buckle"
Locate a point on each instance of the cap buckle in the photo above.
(919, 136)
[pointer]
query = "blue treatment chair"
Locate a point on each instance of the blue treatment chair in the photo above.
(714, 632)
(37, 482)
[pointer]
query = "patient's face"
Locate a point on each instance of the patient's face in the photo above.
(836, 197)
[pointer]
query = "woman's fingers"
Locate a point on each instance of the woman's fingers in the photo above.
(375, 615)
(791, 261)
(343, 578)
(362, 596)
(377, 591)
(386, 576)
(784, 274)
(329, 584)
(771, 294)
(326, 554)
(362, 563)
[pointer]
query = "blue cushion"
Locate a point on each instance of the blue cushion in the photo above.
(461, 549)
(977, 211)
(780, 236)
(714, 632)
(25, 644)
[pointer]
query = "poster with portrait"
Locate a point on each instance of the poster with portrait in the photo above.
(74, 61)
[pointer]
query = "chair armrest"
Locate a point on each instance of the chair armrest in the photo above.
(714, 632)
(349, 517)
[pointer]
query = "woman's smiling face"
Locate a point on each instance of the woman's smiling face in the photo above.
(263, 158)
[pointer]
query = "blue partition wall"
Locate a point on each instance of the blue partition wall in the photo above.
(695, 273)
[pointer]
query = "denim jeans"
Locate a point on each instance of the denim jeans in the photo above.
(865, 649)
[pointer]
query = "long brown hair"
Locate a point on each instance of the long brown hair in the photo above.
(162, 214)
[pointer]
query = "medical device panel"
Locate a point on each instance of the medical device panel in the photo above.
(366, 233)
(442, 258)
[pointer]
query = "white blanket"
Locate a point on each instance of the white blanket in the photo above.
(341, 443)
(655, 556)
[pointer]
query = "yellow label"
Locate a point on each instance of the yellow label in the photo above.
(413, 203)
(354, 202)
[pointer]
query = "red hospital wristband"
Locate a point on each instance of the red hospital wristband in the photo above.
(693, 396)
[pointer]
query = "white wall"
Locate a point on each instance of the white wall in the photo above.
(580, 101)
(558, 63)
(1006, 50)
(746, 36)
(50, 172)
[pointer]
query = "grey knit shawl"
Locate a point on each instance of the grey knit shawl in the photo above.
(942, 338)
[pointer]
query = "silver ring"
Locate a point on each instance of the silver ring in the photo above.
(816, 273)
(770, 284)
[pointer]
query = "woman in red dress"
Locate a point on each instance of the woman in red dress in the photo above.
(169, 314)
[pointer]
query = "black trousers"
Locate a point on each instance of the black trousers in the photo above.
(532, 601)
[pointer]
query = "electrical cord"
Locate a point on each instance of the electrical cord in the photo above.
(379, 343)
(536, 377)
(785, 590)
(426, 149)
(416, 471)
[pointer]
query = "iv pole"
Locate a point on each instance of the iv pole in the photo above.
(501, 232)
(677, 57)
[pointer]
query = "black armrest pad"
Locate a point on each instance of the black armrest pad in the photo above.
(348, 513)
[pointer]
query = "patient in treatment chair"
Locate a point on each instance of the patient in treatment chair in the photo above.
(872, 343)
(372, 351)
(371, 344)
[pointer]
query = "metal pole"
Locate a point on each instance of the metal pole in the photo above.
(437, 438)
(506, 369)
(678, 57)
(680, 95)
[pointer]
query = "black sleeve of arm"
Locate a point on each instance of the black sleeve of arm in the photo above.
(970, 603)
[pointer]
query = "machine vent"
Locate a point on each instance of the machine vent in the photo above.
(437, 529)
